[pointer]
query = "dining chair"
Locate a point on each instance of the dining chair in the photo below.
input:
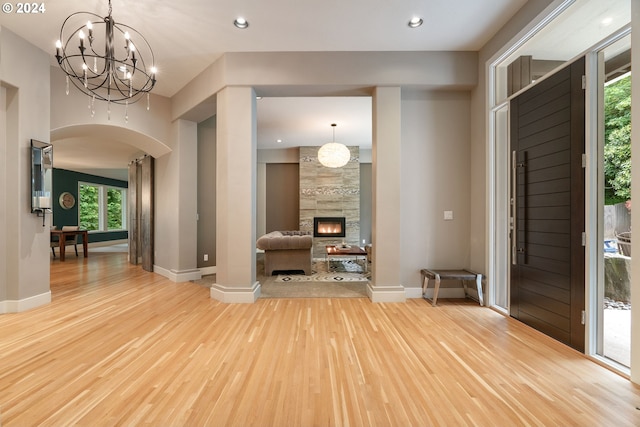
(72, 241)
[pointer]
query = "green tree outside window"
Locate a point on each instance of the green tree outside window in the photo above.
(617, 145)
(114, 209)
(89, 207)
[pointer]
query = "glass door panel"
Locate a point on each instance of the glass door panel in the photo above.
(614, 303)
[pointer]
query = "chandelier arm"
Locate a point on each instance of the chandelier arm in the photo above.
(146, 43)
(70, 70)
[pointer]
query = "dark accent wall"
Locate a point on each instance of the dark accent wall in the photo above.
(366, 202)
(65, 180)
(283, 197)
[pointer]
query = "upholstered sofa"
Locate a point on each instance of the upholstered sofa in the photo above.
(286, 251)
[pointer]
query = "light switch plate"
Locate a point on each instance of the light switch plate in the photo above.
(448, 215)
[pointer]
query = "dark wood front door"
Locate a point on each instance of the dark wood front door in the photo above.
(547, 270)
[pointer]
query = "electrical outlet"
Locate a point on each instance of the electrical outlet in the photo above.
(448, 215)
(206, 257)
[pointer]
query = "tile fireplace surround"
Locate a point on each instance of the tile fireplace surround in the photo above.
(327, 192)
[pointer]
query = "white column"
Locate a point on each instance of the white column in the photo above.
(24, 114)
(387, 131)
(236, 197)
(176, 206)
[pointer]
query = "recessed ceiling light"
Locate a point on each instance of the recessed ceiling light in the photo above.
(241, 23)
(607, 21)
(415, 22)
(278, 140)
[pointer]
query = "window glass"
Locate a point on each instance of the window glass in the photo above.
(102, 208)
(581, 25)
(89, 207)
(115, 209)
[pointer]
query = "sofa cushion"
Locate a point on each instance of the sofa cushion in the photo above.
(282, 240)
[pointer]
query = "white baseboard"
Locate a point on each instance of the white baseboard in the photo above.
(178, 275)
(386, 293)
(208, 270)
(235, 295)
(17, 306)
(107, 243)
(413, 292)
(444, 293)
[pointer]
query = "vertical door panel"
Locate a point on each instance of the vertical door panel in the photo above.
(547, 140)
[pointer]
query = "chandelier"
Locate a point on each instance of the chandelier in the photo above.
(333, 154)
(119, 68)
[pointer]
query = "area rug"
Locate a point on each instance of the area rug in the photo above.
(314, 290)
(341, 270)
(338, 284)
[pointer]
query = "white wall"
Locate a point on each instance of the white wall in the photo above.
(148, 130)
(24, 241)
(306, 74)
(176, 205)
(435, 177)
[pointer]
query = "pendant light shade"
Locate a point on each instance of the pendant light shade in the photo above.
(333, 154)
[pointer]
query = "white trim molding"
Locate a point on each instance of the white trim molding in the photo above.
(232, 295)
(208, 270)
(17, 306)
(386, 293)
(178, 275)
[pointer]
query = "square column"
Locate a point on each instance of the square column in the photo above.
(387, 134)
(236, 197)
(175, 184)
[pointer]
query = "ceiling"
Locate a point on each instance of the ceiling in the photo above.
(189, 35)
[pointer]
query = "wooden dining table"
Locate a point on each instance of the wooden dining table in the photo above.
(64, 235)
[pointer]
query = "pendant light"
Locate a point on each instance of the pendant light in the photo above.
(333, 154)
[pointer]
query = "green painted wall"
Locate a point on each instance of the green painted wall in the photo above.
(65, 180)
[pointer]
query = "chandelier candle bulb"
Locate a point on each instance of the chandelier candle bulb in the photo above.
(90, 30)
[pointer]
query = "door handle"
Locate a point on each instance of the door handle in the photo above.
(514, 211)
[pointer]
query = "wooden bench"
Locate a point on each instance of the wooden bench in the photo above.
(462, 275)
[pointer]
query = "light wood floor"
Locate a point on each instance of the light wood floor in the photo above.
(120, 346)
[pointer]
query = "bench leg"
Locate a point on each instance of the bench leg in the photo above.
(436, 289)
(479, 286)
(425, 284)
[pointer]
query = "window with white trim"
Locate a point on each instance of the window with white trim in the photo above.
(102, 207)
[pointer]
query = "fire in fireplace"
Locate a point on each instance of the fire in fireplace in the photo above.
(329, 227)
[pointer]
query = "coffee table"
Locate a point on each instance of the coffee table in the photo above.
(352, 251)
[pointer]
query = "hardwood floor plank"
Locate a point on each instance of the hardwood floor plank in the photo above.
(121, 346)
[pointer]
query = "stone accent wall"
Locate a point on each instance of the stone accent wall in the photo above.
(329, 192)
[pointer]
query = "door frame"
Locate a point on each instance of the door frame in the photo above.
(496, 197)
(594, 196)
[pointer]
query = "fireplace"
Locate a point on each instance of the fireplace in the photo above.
(329, 227)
